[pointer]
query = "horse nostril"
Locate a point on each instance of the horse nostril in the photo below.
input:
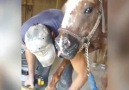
(60, 56)
(67, 42)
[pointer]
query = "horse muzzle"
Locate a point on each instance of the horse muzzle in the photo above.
(67, 46)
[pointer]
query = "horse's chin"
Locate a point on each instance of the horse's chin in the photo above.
(70, 53)
(69, 57)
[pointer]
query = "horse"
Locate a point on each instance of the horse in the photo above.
(83, 26)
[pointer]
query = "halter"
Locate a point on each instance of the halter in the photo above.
(85, 41)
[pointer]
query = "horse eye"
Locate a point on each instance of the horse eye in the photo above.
(42, 38)
(88, 10)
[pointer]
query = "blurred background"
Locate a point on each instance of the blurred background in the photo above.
(10, 44)
(32, 7)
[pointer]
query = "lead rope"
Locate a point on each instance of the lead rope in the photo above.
(89, 74)
(86, 45)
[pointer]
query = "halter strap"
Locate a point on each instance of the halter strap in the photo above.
(90, 35)
(79, 38)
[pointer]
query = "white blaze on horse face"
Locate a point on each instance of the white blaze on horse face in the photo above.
(60, 45)
(70, 6)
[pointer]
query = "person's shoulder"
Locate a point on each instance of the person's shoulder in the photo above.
(55, 10)
(52, 11)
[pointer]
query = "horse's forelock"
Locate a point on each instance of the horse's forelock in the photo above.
(69, 7)
(71, 4)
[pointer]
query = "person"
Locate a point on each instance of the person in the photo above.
(38, 34)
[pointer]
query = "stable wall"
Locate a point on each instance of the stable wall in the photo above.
(32, 7)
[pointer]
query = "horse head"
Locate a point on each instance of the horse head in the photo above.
(80, 21)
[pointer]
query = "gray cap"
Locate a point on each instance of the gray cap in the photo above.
(38, 40)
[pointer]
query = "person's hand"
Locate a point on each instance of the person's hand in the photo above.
(50, 88)
(29, 83)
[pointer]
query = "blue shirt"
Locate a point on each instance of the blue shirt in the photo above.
(51, 18)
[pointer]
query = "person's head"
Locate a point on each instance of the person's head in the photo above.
(38, 40)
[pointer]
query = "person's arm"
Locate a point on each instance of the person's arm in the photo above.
(31, 60)
(57, 75)
(79, 65)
